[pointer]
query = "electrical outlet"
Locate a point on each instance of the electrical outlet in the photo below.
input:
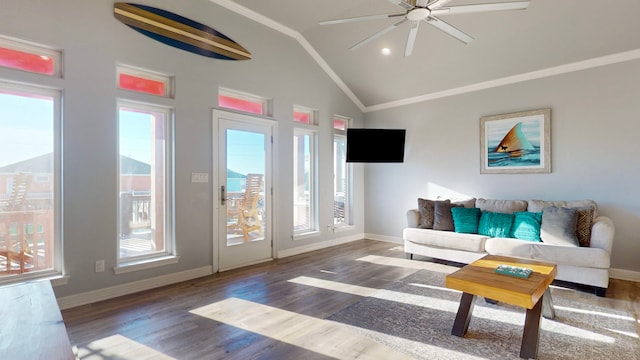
(100, 266)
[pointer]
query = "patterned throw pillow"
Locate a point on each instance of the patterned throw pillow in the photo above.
(495, 224)
(583, 225)
(426, 209)
(526, 225)
(465, 220)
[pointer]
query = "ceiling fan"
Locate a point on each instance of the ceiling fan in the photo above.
(417, 11)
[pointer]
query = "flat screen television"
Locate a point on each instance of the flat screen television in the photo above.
(375, 145)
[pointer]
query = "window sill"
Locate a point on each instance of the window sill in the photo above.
(343, 228)
(306, 235)
(145, 264)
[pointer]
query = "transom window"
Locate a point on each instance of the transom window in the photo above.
(305, 115)
(236, 100)
(19, 55)
(145, 148)
(144, 81)
(30, 243)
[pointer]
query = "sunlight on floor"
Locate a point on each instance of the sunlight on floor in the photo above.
(119, 347)
(406, 263)
(494, 313)
(299, 330)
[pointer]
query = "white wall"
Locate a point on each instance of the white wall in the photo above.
(93, 41)
(594, 145)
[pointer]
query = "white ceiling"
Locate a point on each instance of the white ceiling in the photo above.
(550, 37)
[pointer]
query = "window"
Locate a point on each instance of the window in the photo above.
(304, 115)
(304, 191)
(30, 243)
(144, 81)
(235, 100)
(145, 168)
(16, 54)
(341, 174)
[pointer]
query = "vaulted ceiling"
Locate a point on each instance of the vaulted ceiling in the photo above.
(548, 38)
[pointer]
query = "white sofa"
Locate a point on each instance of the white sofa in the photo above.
(576, 264)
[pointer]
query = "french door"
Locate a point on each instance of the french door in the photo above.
(243, 186)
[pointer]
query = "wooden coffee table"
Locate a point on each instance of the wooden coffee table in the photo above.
(479, 279)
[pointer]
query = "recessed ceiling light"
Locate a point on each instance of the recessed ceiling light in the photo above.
(385, 51)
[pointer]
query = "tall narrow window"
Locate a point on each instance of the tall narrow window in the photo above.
(341, 174)
(29, 176)
(145, 149)
(304, 191)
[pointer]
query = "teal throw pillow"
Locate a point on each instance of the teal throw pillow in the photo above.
(495, 224)
(465, 220)
(526, 226)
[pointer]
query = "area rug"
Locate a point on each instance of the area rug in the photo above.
(415, 316)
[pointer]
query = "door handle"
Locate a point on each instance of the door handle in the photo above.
(223, 195)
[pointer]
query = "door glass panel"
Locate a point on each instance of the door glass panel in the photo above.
(245, 197)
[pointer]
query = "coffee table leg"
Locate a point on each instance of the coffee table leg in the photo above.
(461, 324)
(547, 305)
(531, 333)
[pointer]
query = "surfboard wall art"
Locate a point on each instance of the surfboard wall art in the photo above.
(180, 32)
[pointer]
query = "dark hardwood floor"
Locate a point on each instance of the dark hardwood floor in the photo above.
(256, 312)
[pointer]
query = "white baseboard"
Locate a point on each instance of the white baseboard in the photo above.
(391, 239)
(318, 246)
(132, 287)
(624, 275)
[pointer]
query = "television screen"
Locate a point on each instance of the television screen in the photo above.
(375, 145)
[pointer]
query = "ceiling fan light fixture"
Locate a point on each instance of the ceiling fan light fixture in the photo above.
(418, 14)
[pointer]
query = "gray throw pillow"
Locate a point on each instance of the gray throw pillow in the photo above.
(426, 209)
(442, 218)
(559, 226)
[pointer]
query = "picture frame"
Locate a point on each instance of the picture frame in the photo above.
(516, 143)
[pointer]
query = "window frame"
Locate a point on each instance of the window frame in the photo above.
(167, 80)
(312, 132)
(348, 196)
(167, 256)
(57, 270)
(34, 49)
(267, 103)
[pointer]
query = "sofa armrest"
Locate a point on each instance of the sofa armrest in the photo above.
(413, 218)
(602, 233)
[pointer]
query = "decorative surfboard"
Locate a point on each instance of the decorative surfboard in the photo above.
(180, 32)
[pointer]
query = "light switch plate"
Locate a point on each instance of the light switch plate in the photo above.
(199, 177)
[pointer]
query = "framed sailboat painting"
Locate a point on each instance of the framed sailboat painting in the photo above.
(516, 143)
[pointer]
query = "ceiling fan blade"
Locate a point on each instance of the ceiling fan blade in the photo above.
(437, 4)
(463, 9)
(449, 29)
(378, 34)
(411, 40)
(360, 18)
(422, 3)
(402, 3)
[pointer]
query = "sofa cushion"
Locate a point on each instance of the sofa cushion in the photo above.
(501, 206)
(559, 226)
(495, 224)
(427, 208)
(526, 225)
(445, 239)
(442, 219)
(561, 255)
(465, 220)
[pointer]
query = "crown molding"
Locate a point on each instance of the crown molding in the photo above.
(533, 75)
